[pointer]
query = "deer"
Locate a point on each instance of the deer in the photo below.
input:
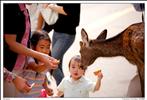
(129, 43)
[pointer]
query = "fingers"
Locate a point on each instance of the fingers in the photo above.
(54, 63)
(100, 75)
(50, 61)
(53, 66)
(97, 72)
(27, 87)
(49, 92)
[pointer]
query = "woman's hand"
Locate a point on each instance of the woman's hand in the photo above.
(51, 62)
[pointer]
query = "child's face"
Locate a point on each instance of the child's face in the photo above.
(43, 46)
(75, 71)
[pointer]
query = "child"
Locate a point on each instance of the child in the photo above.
(35, 71)
(77, 85)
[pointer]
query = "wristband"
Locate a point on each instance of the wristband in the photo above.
(11, 77)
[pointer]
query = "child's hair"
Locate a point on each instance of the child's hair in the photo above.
(77, 58)
(39, 35)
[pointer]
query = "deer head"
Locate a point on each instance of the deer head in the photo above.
(87, 53)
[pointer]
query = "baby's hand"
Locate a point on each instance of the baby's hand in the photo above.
(98, 73)
(49, 91)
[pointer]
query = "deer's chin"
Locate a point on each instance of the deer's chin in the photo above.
(91, 61)
(87, 64)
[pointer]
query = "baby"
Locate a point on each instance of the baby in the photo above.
(77, 85)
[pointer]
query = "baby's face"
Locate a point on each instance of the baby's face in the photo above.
(43, 46)
(75, 71)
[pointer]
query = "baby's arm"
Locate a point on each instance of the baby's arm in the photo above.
(99, 77)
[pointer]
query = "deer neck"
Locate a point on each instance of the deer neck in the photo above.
(110, 47)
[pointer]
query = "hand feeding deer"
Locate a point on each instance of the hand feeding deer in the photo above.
(129, 43)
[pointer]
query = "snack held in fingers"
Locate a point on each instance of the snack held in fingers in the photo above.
(58, 61)
(32, 85)
(97, 71)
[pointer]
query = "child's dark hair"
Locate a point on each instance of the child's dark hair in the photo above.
(77, 58)
(38, 35)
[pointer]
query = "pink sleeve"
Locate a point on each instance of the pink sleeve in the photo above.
(8, 76)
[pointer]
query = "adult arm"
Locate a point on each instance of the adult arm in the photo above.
(21, 49)
(19, 82)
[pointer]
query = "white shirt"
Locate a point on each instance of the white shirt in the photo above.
(78, 88)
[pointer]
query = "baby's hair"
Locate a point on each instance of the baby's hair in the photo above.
(39, 35)
(77, 58)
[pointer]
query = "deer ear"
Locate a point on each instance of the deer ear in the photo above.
(102, 35)
(84, 37)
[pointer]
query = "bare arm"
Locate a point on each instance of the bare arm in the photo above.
(98, 82)
(40, 21)
(21, 49)
(57, 8)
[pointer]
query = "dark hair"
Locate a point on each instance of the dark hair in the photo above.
(39, 35)
(77, 58)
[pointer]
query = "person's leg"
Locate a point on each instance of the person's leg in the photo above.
(61, 43)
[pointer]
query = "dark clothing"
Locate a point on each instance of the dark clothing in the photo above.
(139, 6)
(14, 23)
(66, 23)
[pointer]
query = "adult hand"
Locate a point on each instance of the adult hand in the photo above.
(51, 62)
(21, 84)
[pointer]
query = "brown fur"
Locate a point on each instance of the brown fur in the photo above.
(129, 43)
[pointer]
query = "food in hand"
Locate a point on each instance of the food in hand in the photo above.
(58, 61)
(97, 71)
(32, 85)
